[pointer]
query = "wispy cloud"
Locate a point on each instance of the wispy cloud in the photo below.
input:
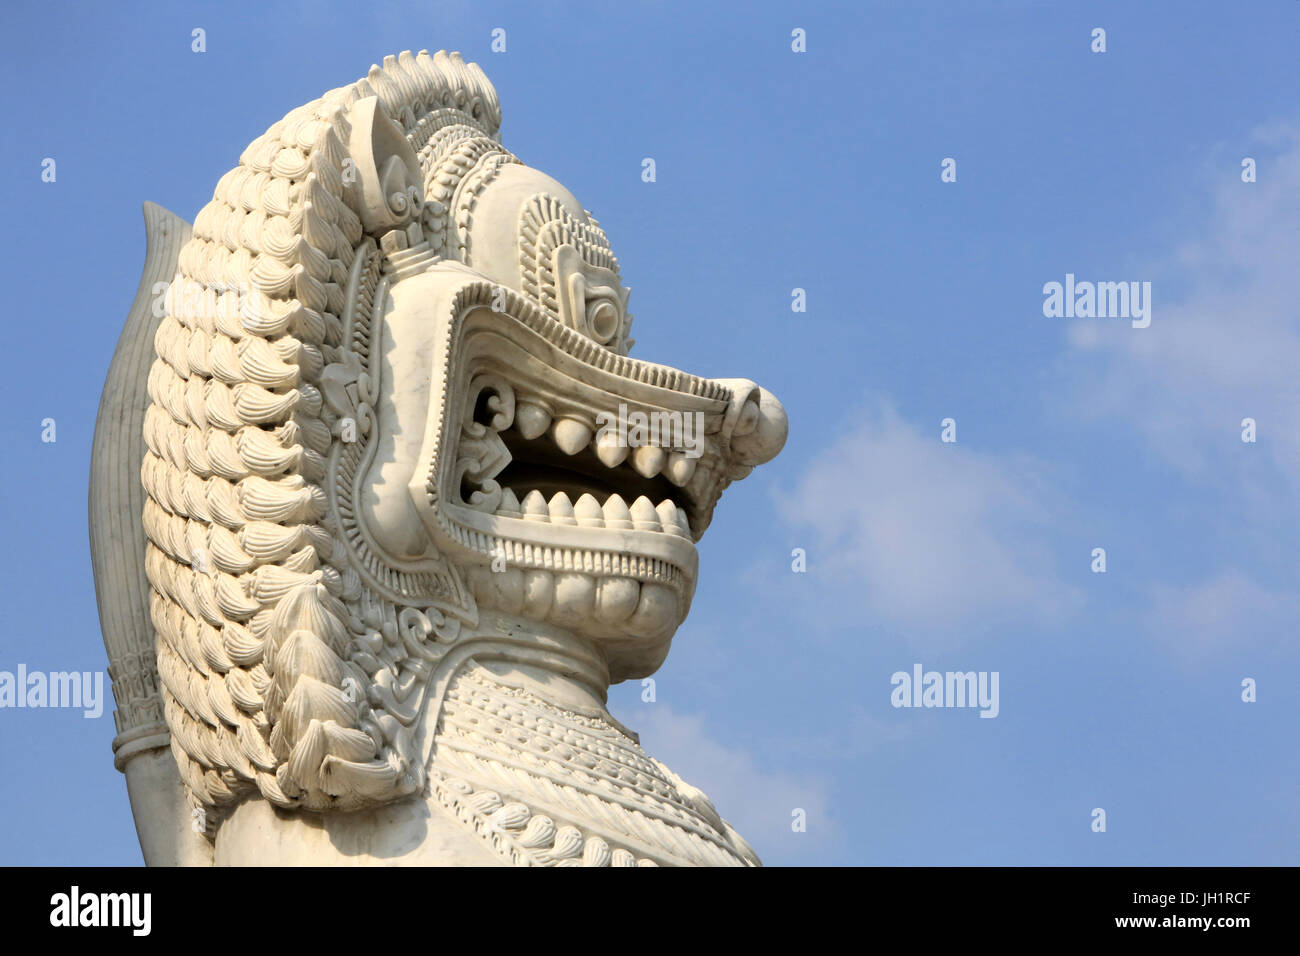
(759, 803)
(1224, 347)
(1229, 611)
(935, 540)
(1227, 347)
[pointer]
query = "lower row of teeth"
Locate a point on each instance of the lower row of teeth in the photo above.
(587, 512)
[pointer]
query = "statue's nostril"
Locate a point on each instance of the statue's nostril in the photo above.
(768, 435)
(759, 430)
(748, 419)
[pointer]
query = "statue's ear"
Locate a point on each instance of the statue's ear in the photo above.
(387, 191)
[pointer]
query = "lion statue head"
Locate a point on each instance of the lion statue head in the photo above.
(393, 427)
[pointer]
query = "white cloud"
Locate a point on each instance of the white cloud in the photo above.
(1227, 347)
(937, 541)
(756, 802)
(1228, 612)
(1224, 347)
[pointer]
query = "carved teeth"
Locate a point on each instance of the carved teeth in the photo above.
(532, 420)
(571, 435)
(610, 450)
(648, 460)
(667, 512)
(561, 509)
(509, 505)
(587, 512)
(616, 514)
(644, 516)
(535, 507)
(680, 468)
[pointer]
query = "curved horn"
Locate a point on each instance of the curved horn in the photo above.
(142, 748)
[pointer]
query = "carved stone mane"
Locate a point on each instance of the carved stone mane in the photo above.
(395, 551)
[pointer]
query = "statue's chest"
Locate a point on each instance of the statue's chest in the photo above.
(548, 786)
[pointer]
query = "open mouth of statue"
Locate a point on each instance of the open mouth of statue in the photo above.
(600, 526)
(546, 482)
(634, 470)
(590, 473)
(566, 483)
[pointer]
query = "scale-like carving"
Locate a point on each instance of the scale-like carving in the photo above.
(394, 560)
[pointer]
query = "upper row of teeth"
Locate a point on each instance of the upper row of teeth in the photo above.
(589, 513)
(572, 435)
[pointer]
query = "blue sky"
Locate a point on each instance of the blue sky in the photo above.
(820, 170)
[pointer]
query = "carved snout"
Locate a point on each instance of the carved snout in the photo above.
(756, 422)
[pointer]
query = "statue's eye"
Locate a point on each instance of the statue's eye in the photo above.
(602, 318)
